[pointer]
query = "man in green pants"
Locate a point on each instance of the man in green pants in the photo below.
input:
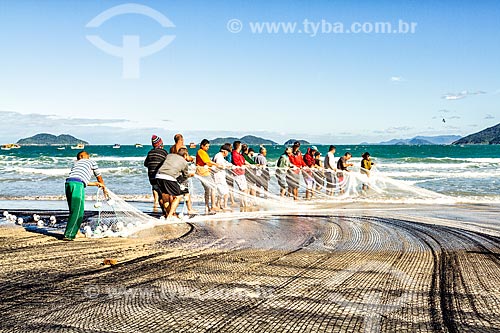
(79, 178)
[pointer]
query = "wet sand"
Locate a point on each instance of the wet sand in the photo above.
(361, 268)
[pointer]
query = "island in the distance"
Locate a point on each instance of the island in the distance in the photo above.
(291, 141)
(248, 139)
(45, 139)
(419, 140)
(489, 136)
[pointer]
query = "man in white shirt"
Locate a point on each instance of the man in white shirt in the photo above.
(330, 169)
(220, 176)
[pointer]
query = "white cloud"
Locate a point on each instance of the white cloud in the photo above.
(452, 97)
(391, 130)
(461, 95)
(397, 79)
(455, 128)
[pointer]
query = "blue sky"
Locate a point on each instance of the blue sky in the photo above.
(209, 82)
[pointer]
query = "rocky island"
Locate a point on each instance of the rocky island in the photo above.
(45, 139)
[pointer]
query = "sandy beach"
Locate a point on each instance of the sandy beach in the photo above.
(236, 166)
(362, 268)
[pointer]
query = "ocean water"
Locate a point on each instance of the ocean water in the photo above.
(469, 173)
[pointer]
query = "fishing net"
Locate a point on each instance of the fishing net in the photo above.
(262, 191)
(272, 192)
(116, 217)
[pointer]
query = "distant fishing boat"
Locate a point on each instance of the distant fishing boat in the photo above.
(10, 146)
(138, 145)
(78, 146)
(61, 148)
(192, 145)
(116, 146)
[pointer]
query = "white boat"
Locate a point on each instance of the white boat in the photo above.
(116, 146)
(61, 148)
(78, 146)
(138, 145)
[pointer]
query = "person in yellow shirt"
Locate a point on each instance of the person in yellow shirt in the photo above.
(366, 166)
(203, 165)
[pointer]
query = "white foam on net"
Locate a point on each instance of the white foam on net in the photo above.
(117, 218)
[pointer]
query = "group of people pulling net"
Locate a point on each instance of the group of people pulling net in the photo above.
(235, 176)
(237, 172)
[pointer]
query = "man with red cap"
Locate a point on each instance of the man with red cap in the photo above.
(154, 160)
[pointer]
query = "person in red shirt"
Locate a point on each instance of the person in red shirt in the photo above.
(293, 177)
(307, 173)
(239, 173)
(309, 156)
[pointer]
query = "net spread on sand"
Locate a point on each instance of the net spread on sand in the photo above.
(117, 218)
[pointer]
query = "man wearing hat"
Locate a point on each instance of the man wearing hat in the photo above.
(154, 160)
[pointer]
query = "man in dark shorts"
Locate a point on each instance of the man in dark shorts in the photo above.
(174, 167)
(153, 161)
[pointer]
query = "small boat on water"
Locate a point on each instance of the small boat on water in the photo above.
(61, 148)
(192, 145)
(116, 146)
(10, 146)
(138, 145)
(78, 146)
